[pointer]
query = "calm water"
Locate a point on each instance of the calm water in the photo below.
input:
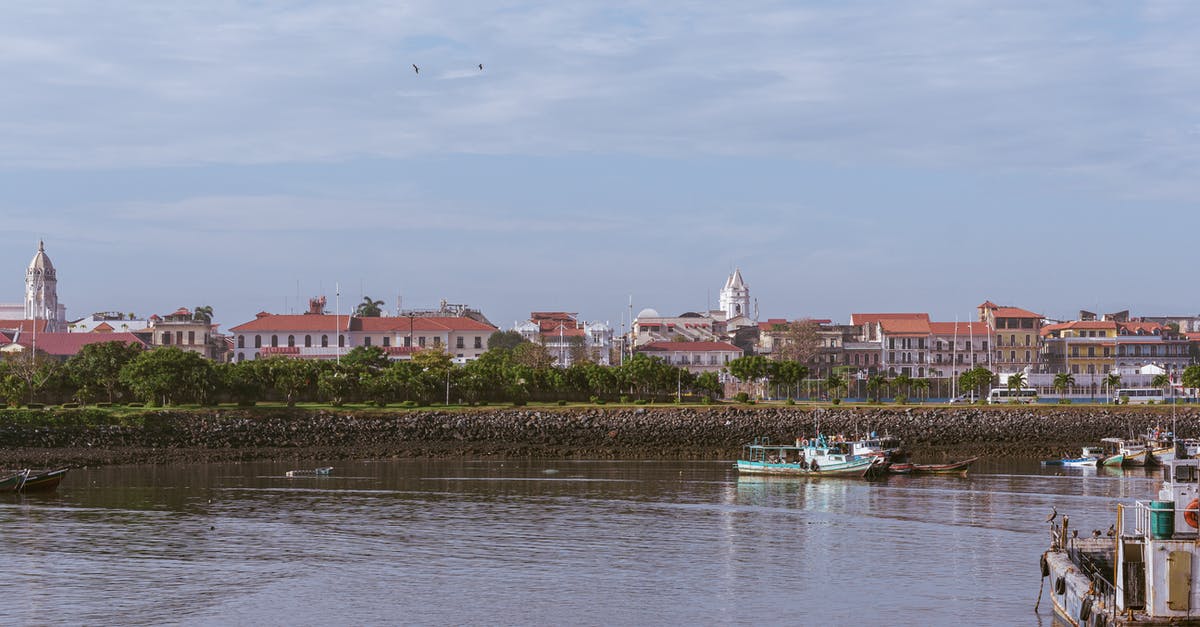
(542, 542)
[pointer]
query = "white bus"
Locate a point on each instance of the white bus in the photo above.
(1138, 396)
(1005, 395)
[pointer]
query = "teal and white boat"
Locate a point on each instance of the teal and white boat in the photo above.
(803, 458)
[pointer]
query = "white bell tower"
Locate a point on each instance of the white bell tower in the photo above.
(41, 291)
(735, 296)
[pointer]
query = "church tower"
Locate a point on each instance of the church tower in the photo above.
(735, 296)
(41, 291)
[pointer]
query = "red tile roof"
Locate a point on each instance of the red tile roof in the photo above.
(430, 323)
(692, 347)
(1147, 328)
(25, 326)
(905, 326)
(294, 322)
(868, 318)
(964, 329)
(1079, 325)
(67, 344)
(1014, 312)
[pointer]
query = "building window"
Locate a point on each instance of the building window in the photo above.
(366, 340)
(341, 341)
(307, 341)
(437, 341)
(166, 338)
(421, 341)
(479, 341)
(179, 337)
(324, 341)
(241, 341)
(1012, 356)
(1091, 351)
(1026, 356)
(291, 340)
(274, 340)
(459, 343)
(258, 341)
(387, 340)
(408, 341)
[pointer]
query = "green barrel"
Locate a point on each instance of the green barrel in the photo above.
(1162, 519)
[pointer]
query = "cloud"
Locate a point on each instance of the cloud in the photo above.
(1067, 85)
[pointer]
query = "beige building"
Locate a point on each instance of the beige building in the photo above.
(184, 330)
(1015, 337)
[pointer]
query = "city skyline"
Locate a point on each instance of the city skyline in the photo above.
(911, 157)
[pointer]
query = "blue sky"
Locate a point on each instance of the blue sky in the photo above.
(849, 156)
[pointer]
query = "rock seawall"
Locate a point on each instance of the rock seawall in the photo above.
(930, 433)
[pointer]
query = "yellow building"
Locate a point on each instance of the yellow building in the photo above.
(1015, 335)
(1081, 347)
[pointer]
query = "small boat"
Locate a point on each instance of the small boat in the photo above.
(13, 482)
(323, 471)
(806, 458)
(959, 467)
(43, 480)
(1117, 460)
(1091, 457)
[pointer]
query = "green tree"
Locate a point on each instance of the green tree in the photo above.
(203, 313)
(709, 384)
(876, 385)
(1161, 381)
(1112, 382)
(902, 383)
(96, 368)
(922, 387)
(35, 372)
(289, 377)
(169, 375)
(338, 384)
(241, 380)
(366, 358)
(505, 340)
(1191, 377)
(976, 379)
(835, 384)
(1016, 381)
(1063, 382)
(369, 308)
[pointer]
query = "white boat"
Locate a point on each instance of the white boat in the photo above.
(1141, 571)
(323, 471)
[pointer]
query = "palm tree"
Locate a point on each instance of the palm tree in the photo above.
(203, 313)
(902, 382)
(1161, 381)
(1112, 382)
(922, 386)
(1016, 381)
(1063, 382)
(834, 383)
(876, 384)
(369, 308)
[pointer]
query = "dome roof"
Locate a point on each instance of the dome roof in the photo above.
(41, 261)
(648, 313)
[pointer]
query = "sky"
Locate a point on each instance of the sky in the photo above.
(847, 156)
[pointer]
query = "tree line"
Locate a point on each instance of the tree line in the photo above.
(116, 372)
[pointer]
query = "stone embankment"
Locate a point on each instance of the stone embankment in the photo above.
(702, 432)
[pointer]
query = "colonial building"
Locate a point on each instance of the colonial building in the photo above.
(63, 346)
(187, 331)
(1143, 343)
(1080, 347)
(318, 335)
(649, 327)
(566, 337)
(956, 347)
(735, 296)
(1015, 335)
(696, 357)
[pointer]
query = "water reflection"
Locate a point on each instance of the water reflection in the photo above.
(509, 542)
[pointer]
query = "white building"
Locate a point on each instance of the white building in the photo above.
(735, 296)
(41, 295)
(564, 336)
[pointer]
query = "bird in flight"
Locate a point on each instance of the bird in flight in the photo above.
(416, 69)
(480, 67)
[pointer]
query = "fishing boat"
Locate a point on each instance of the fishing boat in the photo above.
(13, 482)
(43, 480)
(814, 458)
(323, 471)
(1141, 571)
(1132, 452)
(1091, 457)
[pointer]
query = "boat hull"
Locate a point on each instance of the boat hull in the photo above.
(12, 483)
(944, 469)
(856, 468)
(44, 481)
(1115, 460)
